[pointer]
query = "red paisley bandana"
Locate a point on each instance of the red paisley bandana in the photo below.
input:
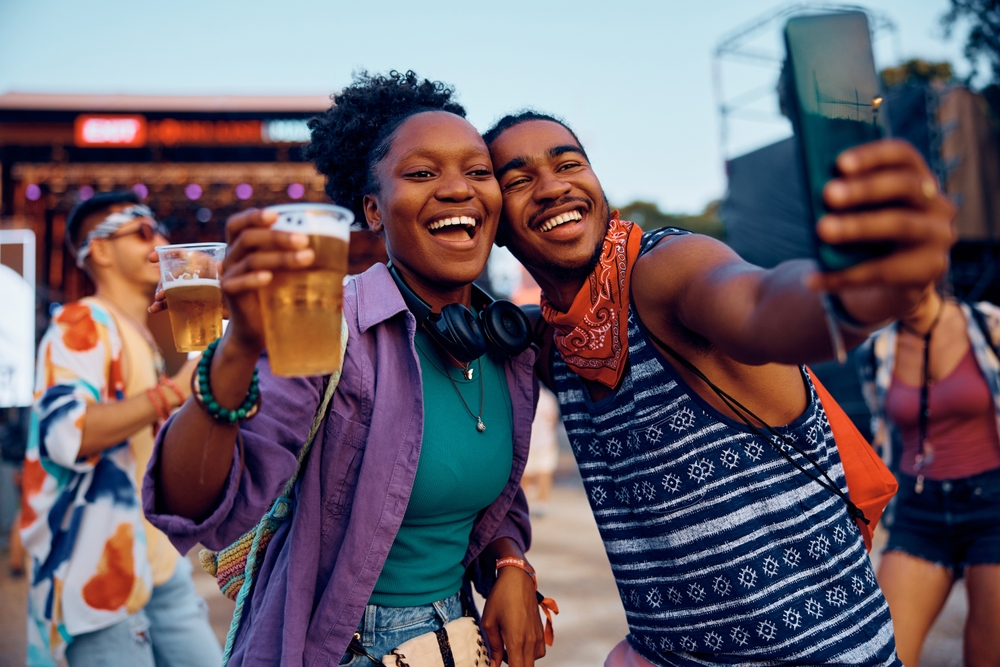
(592, 336)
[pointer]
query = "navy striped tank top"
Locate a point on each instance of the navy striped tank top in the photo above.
(723, 552)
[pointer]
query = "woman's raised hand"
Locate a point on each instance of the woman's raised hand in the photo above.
(198, 451)
(255, 252)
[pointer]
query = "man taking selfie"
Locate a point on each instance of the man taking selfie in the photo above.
(707, 457)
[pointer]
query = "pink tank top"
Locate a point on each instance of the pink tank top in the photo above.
(962, 428)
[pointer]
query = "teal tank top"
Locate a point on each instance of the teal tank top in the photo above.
(461, 471)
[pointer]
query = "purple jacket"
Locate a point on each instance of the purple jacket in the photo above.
(321, 567)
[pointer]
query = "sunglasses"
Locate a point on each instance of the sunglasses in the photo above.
(146, 231)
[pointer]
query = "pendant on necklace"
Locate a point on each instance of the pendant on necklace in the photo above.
(467, 372)
(925, 456)
(480, 426)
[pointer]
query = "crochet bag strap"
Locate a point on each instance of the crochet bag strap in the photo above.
(282, 507)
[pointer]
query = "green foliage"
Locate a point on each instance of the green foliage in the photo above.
(984, 35)
(917, 71)
(649, 216)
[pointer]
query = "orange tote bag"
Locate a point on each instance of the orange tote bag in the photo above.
(870, 485)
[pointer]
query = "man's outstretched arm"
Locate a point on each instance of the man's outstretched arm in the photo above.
(757, 316)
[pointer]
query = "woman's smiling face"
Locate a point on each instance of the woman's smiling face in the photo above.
(438, 201)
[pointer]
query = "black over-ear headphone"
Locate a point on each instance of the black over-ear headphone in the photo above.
(501, 324)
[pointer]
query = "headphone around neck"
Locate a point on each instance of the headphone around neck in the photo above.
(501, 326)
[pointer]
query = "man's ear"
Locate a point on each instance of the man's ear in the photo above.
(373, 215)
(100, 253)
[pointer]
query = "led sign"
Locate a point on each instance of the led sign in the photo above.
(285, 131)
(172, 132)
(133, 131)
(123, 131)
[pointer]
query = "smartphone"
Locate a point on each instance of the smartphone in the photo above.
(834, 99)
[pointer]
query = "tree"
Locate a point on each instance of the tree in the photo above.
(984, 35)
(649, 216)
(917, 71)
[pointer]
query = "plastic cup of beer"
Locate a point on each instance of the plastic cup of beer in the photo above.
(302, 308)
(190, 276)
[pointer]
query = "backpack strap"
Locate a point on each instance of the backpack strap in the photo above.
(980, 320)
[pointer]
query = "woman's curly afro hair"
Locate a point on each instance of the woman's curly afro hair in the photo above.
(352, 136)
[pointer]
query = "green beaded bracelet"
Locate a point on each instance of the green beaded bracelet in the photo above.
(202, 392)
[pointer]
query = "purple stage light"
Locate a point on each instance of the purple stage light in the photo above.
(32, 192)
(244, 191)
(85, 192)
(141, 190)
(192, 191)
(296, 190)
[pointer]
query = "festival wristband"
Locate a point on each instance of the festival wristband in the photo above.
(512, 561)
(548, 605)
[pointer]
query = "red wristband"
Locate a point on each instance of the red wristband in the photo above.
(513, 561)
(172, 386)
(548, 605)
(161, 411)
(163, 397)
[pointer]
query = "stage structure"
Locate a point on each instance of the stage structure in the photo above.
(194, 160)
(746, 64)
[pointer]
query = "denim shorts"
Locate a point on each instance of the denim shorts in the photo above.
(953, 523)
(384, 628)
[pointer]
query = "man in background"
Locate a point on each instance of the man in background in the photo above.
(106, 587)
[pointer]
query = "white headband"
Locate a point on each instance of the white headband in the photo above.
(110, 225)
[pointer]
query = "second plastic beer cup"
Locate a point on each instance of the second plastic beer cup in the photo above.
(190, 276)
(302, 309)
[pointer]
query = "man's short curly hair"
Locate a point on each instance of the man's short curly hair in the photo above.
(352, 136)
(523, 116)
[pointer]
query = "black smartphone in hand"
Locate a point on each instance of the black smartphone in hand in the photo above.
(835, 102)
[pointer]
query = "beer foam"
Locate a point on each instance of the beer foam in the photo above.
(315, 221)
(191, 282)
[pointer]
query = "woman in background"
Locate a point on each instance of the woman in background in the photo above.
(932, 383)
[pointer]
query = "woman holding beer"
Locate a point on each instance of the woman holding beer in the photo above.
(412, 488)
(932, 383)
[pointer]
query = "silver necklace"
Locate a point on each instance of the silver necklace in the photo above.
(480, 426)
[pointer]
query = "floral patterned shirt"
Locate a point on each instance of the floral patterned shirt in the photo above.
(81, 520)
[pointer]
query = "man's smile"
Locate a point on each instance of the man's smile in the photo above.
(562, 218)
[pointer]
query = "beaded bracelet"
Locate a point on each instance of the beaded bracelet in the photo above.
(202, 392)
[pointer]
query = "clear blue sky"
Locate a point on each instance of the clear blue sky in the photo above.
(634, 78)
